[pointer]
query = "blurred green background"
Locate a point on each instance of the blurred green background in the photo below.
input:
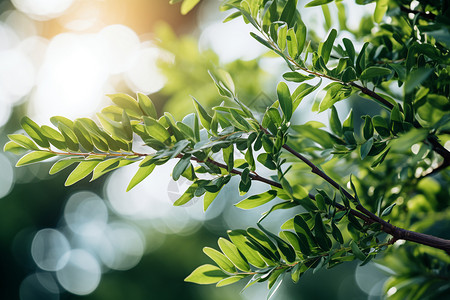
(93, 240)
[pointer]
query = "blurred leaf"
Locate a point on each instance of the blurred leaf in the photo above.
(380, 10)
(317, 3)
(416, 78)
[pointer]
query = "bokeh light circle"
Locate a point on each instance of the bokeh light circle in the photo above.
(123, 246)
(49, 249)
(6, 175)
(42, 9)
(33, 288)
(85, 213)
(17, 75)
(120, 43)
(81, 274)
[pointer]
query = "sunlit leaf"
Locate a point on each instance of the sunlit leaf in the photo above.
(34, 157)
(206, 274)
(83, 169)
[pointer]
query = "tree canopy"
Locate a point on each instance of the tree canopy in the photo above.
(371, 185)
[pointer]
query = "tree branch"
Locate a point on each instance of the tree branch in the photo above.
(426, 15)
(396, 232)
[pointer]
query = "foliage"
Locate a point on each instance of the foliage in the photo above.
(397, 156)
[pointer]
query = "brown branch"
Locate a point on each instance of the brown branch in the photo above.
(396, 232)
(427, 15)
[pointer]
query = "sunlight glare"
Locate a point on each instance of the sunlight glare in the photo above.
(42, 9)
(71, 79)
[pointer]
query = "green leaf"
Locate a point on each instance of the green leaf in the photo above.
(146, 167)
(335, 123)
(261, 40)
(126, 124)
(187, 195)
(54, 137)
(239, 121)
(127, 103)
(388, 210)
(62, 164)
(372, 72)
(335, 92)
(297, 271)
(366, 147)
(208, 199)
(181, 166)
(336, 233)
(114, 128)
(221, 260)
(284, 97)
(292, 43)
(228, 157)
(302, 228)
(83, 136)
(296, 77)
(238, 237)
(405, 141)
(156, 130)
(257, 200)
(265, 242)
(356, 251)
(350, 49)
(146, 105)
(34, 131)
(321, 235)
(349, 74)
(33, 157)
(381, 126)
(206, 274)
(83, 169)
(205, 119)
(317, 3)
(108, 165)
(230, 280)
(326, 47)
(23, 141)
(15, 148)
(380, 158)
(380, 10)
(231, 251)
(416, 78)
(69, 136)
